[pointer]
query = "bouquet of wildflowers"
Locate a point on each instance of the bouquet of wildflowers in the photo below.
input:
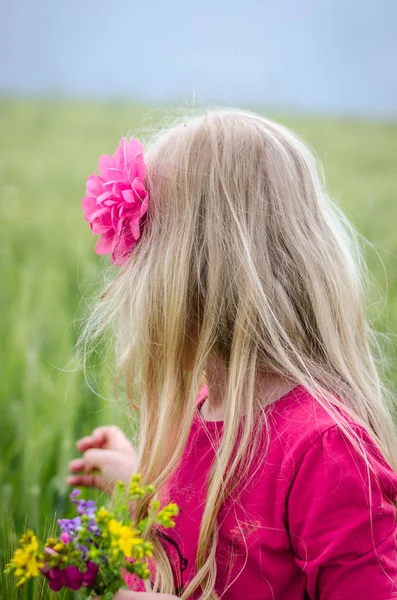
(96, 547)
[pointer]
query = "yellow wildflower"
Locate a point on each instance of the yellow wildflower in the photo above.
(34, 544)
(102, 514)
(59, 547)
(26, 561)
(33, 566)
(21, 557)
(125, 538)
(114, 527)
(164, 516)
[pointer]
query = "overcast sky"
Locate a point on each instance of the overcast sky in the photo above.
(307, 55)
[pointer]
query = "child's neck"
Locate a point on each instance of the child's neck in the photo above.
(269, 386)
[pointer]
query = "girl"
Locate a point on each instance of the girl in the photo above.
(235, 264)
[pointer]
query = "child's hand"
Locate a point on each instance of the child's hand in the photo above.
(107, 451)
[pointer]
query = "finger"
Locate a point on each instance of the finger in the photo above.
(76, 464)
(89, 481)
(124, 595)
(127, 595)
(103, 431)
(97, 458)
(89, 441)
(112, 437)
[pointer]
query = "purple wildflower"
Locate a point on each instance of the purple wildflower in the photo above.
(70, 526)
(76, 492)
(93, 527)
(86, 507)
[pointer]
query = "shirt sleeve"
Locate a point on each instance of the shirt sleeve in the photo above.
(330, 503)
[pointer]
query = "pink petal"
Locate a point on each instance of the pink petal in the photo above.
(97, 214)
(97, 228)
(139, 188)
(130, 157)
(119, 186)
(134, 226)
(125, 244)
(121, 250)
(144, 206)
(104, 197)
(118, 155)
(129, 196)
(106, 220)
(94, 185)
(121, 247)
(104, 244)
(137, 168)
(127, 152)
(134, 211)
(105, 162)
(89, 205)
(102, 224)
(115, 174)
(114, 217)
(120, 226)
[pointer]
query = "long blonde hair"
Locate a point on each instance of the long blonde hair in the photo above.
(243, 245)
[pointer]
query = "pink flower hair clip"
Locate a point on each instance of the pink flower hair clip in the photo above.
(116, 200)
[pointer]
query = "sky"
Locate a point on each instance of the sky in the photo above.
(327, 56)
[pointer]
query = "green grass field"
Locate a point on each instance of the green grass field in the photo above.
(49, 271)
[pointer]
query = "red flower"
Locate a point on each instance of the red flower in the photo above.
(71, 577)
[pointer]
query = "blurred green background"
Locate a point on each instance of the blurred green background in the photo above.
(49, 271)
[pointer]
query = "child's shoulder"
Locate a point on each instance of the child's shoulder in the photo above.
(299, 413)
(303, 435)
(298, 420)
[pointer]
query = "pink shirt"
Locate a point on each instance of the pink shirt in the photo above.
(301, 528)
